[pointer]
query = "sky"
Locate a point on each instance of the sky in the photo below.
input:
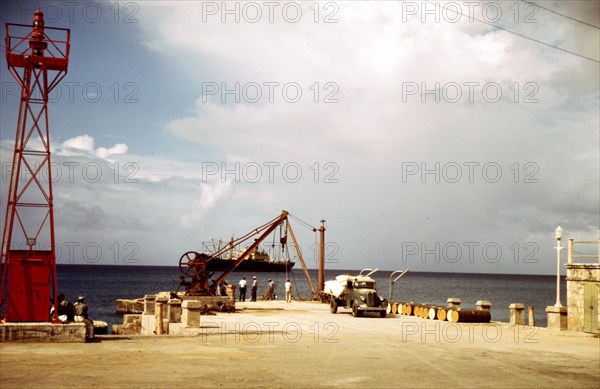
(448, 138)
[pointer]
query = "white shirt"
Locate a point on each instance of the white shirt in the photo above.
(242, 283)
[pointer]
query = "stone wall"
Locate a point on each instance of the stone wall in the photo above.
(180, 315)
(578, 275)
(42, 332)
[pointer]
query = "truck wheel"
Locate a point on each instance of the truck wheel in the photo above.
(382, 314)
(333, 306)
(355, 311)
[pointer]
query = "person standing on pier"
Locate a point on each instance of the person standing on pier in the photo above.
(288, 291)
(243, 289)
(254, 288)
(271, 291)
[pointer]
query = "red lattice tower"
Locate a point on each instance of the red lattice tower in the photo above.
(37, 58)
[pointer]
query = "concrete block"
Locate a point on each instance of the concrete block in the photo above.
(557, 318)
(176, 328)
(132, 319)
(190, 314)
(148, 324)
(191, 304)
(483, 305)
(149, 301)
(453, 302)
(174, 310)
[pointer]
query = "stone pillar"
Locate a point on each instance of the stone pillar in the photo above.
(517, 314)
(159, 328)
(557, 317)
(149, 301)
(160, 311)
(190, 313)
(174, 310)
(453, 302)
(162, 300)
(530, 316)
(483, 305)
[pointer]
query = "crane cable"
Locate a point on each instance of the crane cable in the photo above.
(305, 224)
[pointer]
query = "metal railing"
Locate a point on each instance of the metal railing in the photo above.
(572, 254)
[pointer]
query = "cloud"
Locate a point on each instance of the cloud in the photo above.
(83, 145)
(526, 111)
(521, 108)
(119, 148)
(208, 197)
(79, 145)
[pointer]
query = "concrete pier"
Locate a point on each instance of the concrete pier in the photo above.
(271, 343)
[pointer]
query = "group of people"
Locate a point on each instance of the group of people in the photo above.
(78, 312)
(244, 285)
(269, 294)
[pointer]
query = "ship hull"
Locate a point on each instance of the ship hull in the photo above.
(250, 265)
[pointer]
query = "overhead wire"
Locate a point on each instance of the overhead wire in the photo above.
(558, 13)
(513, 32)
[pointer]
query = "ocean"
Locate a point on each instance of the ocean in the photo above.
(102, 285)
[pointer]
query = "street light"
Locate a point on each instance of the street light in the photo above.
(392, 282)
(558, 235)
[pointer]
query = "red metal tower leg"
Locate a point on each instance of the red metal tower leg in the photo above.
(28, 243)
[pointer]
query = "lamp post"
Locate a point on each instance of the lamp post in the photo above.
(558, 235)
(392, 282)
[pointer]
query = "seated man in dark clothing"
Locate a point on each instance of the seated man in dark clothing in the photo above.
(66, 310)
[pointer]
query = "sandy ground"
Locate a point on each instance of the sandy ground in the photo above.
(279, 345)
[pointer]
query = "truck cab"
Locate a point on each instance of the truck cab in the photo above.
(358, 293)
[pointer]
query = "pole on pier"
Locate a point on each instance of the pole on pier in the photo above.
(321, 280)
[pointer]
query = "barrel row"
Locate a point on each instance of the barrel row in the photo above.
(435, 312)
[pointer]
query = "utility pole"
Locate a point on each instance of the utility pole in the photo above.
(321, 281)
